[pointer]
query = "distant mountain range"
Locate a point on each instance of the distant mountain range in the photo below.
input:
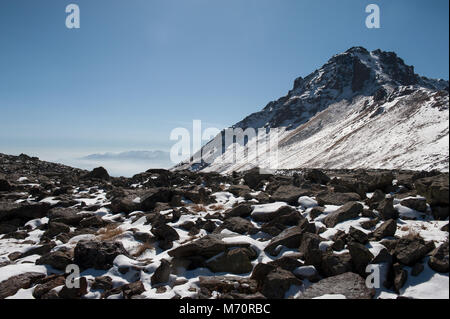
(131, 155)
(360, 110)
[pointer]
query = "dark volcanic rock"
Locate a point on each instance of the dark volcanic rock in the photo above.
(337, 199)
(277, 283)
(206, 247)
(387, 210)
(290, 238)
(289, 194)
(348, 211)
(387, 229)
(162, 273)
(410, 251)
(351, 285)
(10, 286)
(58, 260)
(439, 259)
(235, 261)
(98, 173)
(96, 254)
(419, 204)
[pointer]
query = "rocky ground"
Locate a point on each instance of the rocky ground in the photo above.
(162, 234)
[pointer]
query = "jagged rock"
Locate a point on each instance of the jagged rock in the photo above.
(349, 284)
(439, 260)
(239, 225)
(68, 216)
(96, 254)
(290, 238)
(57, 259)
(410, 251)
(47, 284)
(125, 205)
(288, 263)
(337, 199)
(242, 210)
(228, 284)
(102, 283)
(23, 211)
(419, 204)
(317, 176)
(333, 264)
(400, 277)
(239, 190)
(155, 195)
(435, 189)
(98, 173)
(162, 273)
(267, 217)
(165, 232)
(254, 176)
(361, 257)
(235, 261)
(288, 194)
(387, 229)
(12, 285)
(55, 228)
(206, 247)
(387, 210)
(277, 283)
(358, 235)
(348, 211)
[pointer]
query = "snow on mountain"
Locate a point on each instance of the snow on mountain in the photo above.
(360, 110)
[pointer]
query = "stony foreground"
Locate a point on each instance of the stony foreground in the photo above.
(161, 234)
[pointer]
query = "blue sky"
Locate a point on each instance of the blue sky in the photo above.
(136, 69)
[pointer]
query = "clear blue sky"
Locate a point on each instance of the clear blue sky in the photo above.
(139, 68)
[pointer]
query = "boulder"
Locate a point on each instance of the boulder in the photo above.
(358, 235)
(161, 274)
(387, 229)
(361, 257)
(277, 283)
(241, 210)
(348, 211)
(45, 285)
(239, 225)
(235, 261)
(349, 284)
(410, 251)
(57, 259)
(228, 284)
(337, 199)
(288, 194)
(418, 204)
(439, 259)
(13, 284)
(387, 210)
(155, 195)
(434, 189)
(97, 254)
(23, 211)
(205, 247)
(98, 173)
(317, 176)
(290, 238)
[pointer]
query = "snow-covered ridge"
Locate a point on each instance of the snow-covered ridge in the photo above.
(360, 110)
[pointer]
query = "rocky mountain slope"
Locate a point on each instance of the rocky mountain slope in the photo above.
(182, 234)
(360, 110)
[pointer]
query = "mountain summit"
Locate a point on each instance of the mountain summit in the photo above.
(360, 110)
